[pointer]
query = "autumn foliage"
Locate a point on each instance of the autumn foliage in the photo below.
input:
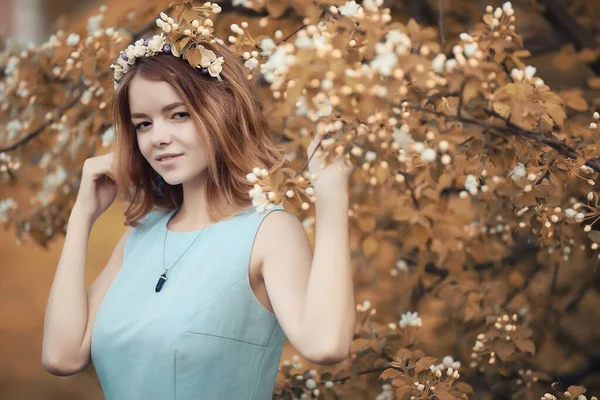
(474, 199)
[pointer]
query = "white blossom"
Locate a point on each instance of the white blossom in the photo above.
(437, 64)
(518, 172)
(251, 63)
(402, 137)
(471, 49)
(402, 265)
(370, 156)
(5, 206)
(428, 154)
(277, 61)
(267, 45)
(530, 71)
(517, 74)
(324, 108)
(301, 106)
(12, 65)
(13, 127)
(93, 24)
(410, 319)
(350, 9)
(471, 183)
(397, 37)
(447, 361)
(156, 43)
(384, 62)
(303, 41)
(72, 39)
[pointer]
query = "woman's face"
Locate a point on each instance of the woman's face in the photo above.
(163, 126)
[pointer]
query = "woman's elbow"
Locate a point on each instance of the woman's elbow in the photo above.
(59, 367)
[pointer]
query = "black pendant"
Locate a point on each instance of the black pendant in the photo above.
(161, 282)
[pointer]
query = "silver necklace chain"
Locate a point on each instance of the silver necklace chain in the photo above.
(163, 276)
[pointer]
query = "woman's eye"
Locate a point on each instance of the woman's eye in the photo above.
(141, 125)
(181, 115)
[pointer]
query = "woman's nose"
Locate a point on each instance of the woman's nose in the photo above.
(161, 134)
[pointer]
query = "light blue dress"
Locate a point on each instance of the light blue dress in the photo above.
(204, 335)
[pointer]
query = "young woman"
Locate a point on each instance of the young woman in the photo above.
(201, 291)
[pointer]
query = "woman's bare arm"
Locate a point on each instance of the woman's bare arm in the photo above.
(71, 310)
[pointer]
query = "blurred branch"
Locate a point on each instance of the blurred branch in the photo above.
(60, 111)
(563, 22)
(519, 251)
(532, 273)
(442, 37)
(560, 18)
(31, 135)
(580, 294)
(421, 11)
(557, 145)
(514, 129)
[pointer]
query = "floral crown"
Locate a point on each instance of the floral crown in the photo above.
(182, 39)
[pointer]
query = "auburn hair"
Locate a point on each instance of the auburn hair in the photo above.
(230, 119)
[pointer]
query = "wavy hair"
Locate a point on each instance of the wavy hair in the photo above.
(230, 119)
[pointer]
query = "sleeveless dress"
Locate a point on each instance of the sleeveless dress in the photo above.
(204, 335)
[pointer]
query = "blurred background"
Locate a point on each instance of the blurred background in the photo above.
(27, 270)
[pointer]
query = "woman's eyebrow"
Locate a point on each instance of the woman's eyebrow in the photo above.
(164, 110)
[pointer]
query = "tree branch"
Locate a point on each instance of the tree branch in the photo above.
(563, 22)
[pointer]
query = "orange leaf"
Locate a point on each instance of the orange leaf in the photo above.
(576, 390)
(504, 349)
(370, 246)
(463, 387)
(367, 223)
(403, 391)
(576, 102)
(276, 7)
(194, 56)
(389, 373)
(594, 236)
(443, 395)
(424, 363)
(525, 345)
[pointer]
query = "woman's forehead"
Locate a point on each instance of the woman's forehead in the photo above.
(150, 96)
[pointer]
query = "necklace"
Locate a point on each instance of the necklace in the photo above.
(163, 276)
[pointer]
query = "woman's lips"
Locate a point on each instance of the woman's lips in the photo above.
(168, 160)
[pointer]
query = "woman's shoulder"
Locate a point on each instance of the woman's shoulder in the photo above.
(149, 220)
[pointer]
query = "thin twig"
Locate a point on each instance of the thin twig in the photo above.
(410, 188)
(442, 36)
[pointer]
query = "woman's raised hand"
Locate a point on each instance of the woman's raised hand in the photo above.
(98, 189)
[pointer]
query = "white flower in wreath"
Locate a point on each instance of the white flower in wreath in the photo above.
(130, 53)
(216, 67)
(139, 50)
(208, 56)
(122, 63)
(118, 74)
(156, 43)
